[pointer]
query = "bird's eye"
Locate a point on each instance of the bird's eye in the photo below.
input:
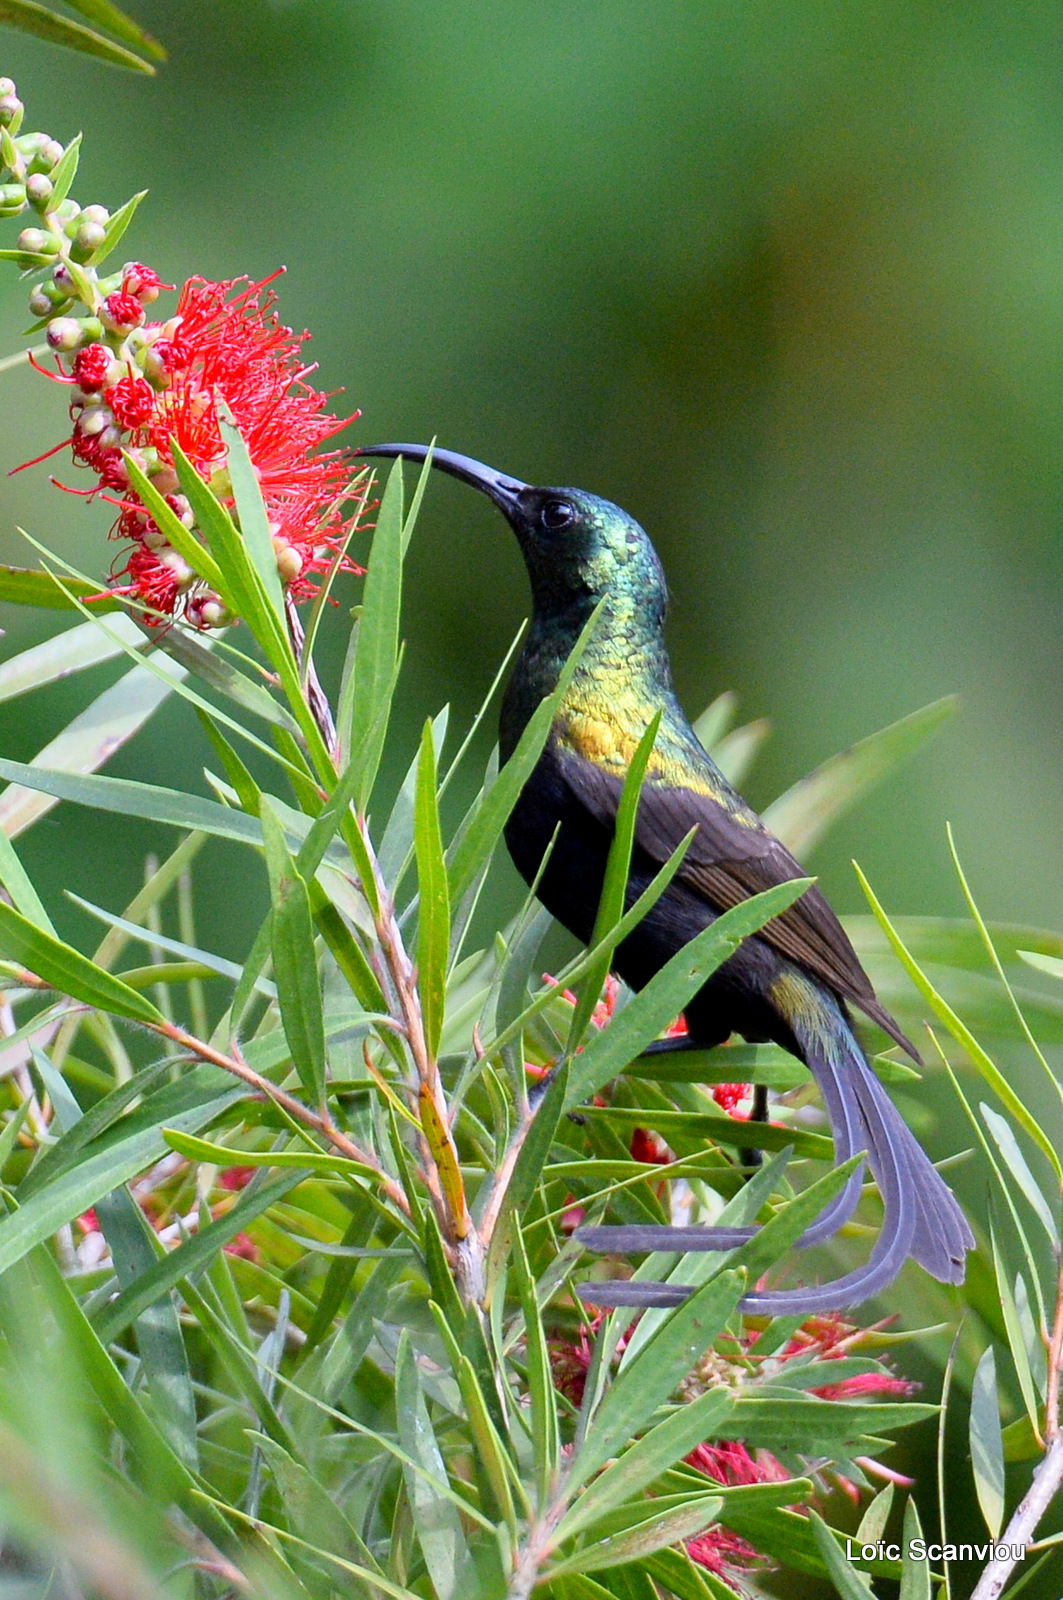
(557, 514)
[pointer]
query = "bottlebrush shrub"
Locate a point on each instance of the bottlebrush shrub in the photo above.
(286, 1275)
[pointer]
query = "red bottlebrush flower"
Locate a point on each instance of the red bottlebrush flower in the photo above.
(678, 1029)
(91, 367)
(647, 1146)
(730, 1463)
(236, 1177)
(719, 1549)
(730, 1096)
(867, 1383)
(88, 1221)
(569, 1365)
(122, 312)
(225, 348)
(144, 282)
(132, 401)
(607, 1004)
(242, 1246)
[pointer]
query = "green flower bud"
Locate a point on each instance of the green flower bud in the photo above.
(87, 239)
(39, 191)
(40, 303)
(11, 109)
(67, 210)
(165, 479)
(12, 199)
(98, 214)
(7, 86)
(156, 370)
(33, 241)
(91, 330)
(51, 151)
(64, 333)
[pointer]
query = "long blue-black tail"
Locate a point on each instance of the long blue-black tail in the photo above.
(921, 1217)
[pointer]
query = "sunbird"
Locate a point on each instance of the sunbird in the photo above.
(792, 983)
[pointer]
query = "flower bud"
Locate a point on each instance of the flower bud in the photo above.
(154, 538)
(40, 303)
(121, 313)
(206, 611)
(289, 561)
(177, 565)
(51, 152)
(67, 210)
(165, 479)
(155, 368)
(32, 240)
(97, 214)
(11, 109)
(111, 438)
(12, 199)
(87, 239)
(39, 191)
(91, 367)
(64, 333)
(132, 401)
(7, 86)
(92, 422)
(142, 281)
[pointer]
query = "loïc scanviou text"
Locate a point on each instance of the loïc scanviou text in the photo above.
(920, 1550)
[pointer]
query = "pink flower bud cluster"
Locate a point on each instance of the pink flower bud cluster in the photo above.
(138, 386)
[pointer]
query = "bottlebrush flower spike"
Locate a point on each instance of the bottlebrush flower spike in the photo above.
(144, 388)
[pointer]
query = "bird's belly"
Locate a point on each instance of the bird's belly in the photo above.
(735, 999)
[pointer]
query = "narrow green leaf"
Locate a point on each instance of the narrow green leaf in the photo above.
(614, 886)
(65, 170)
(433, 917)
(251, 509)
(67, 970)
(644, 1461)
(987, 1445)
(1014, 1330)
(650, 1380)
(304, 1161)
(648, 1013)
(436, 1521)
(191, 1257)
(93, 736)
(364, 713)
(16, 881)
(527, 1171)
(115, 229)
(74, 650)
(26, 586)
(1016, 1163)
(874, 1520)
(802, 815)
(716, 1125)
(546, 1443)
(915, 1575)
(219, 674)
(50, 1207)
(162, 941)
(735, 753)
(311, 1510)
(295, 960)
(962, 1034)
(635, 1543)
(128, 799)
(469, 852)
(850, 1584)
(199, 558)
(716, 719)
(29, 17)
(106, 15)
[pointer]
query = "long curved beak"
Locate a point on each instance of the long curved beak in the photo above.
(496, 485)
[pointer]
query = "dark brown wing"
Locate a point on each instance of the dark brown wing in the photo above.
(733, 856)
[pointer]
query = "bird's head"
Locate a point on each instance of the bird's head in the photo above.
(578, 548)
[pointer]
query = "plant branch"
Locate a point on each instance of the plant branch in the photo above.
(1020, 1530)
(321, 1122)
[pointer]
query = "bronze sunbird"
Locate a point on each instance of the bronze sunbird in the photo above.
(793, 982)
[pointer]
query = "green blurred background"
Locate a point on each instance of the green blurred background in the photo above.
(783, 279)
